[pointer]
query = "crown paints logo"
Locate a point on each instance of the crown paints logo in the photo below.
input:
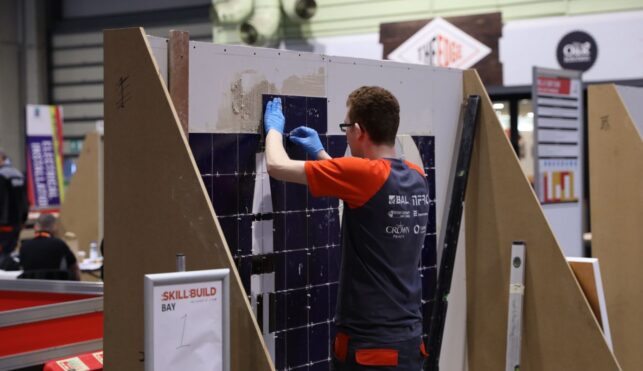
(577, 51)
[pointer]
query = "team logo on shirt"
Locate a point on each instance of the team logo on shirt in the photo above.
(419, 200)
(399, 214)
(398, 231)
(398, 200)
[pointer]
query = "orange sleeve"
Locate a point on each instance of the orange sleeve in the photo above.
(354, 180)
(415, 167)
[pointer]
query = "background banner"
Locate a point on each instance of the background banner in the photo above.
(44, 156)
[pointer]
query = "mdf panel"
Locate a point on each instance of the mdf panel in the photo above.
(560, 331)
(616, 200)
(155, 206)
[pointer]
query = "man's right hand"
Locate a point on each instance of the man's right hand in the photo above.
(308, 139)
(273, 118)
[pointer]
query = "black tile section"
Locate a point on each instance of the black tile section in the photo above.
(319, 300)
(318, 266)
(306, 234)
(224, 153)
(336, 145)
(296, 269)
(318, 344)
(297, 347)
(429, 252)
(301, 111)
(201, 145)
(296, 308)
(426, 147)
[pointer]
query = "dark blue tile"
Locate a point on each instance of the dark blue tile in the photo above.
(294, 112)
(224, 149)
(336, 145)
(297, 347)
(294, 151)
(224, 194)
(244, 266)
(296, 269)
(229, 226)
(279, 232)
(334, 262)
(431, 178)
(246, 193)
(426, 147)
(278, 193)
(427, 307)
(334, 227)
(207, 182)
(319, 304)
(317, 228)
(318, 344)
(296, 308)
(429, 278)
(201, 146)
(332, 301)
(318, 202)
(245, 234)
(248, 148)
(320, 366)
(429, 252)
(431, 225)
(296, 235)
(280, 270)
(281, 316)
(318, 266)
(316, 114)
(296, 197)
(280, 351)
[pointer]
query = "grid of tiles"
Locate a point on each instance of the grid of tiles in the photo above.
(306, 233)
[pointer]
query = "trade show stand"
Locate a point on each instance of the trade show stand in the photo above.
(46, 320)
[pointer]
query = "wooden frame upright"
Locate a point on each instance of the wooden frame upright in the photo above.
(616, 202)
(156, 206)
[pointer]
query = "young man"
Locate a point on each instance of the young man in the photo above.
(378, 317)
(14, 206)
(46, 253)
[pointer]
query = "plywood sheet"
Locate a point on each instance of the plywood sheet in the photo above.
(560, 331)
(155, 206)
(80, 212)
(616, 200)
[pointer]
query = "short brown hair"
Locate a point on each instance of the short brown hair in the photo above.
(377, 111)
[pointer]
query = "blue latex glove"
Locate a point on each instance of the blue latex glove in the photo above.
(308, 139)
(273, 118)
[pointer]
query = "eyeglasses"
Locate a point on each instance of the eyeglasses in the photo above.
(343, 126)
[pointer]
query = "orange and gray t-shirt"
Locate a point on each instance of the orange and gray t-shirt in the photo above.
(383, 230)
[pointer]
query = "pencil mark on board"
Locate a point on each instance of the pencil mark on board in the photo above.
(123, 91)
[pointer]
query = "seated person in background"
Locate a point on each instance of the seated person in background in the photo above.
(47, 254)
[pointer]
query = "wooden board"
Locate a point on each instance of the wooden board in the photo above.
(179, 74)
(155, 206)
(560, 331)
(80, 213)
(616, 201)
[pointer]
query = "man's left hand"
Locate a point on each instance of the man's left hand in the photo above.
(274, 119)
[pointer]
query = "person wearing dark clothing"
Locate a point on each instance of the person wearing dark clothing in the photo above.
(46, 256)
(378, 316)
(14, 206)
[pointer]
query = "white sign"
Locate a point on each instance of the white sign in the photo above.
(606, 46)
(186, 321)
(558, 111)
(441, 44)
